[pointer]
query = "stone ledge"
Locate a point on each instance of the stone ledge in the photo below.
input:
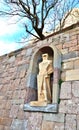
(71, 59)
(59, 117)
(50, 108)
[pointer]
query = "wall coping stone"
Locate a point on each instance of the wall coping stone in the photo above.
(71, 59)
(53, 108)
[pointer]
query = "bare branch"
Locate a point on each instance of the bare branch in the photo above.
(31, 32)
(40, 14)
(50, 7)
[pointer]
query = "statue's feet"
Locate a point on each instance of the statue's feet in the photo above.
(38, 103)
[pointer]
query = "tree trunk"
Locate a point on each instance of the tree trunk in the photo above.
(40, 34)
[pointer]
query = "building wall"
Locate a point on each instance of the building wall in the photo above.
(13, 90)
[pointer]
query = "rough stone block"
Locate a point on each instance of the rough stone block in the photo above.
(1, 127)
(70, 122)
(76, 64)
(63, 76)
(22, 94)
(31, 95)
(5, 113)
(9, 95)
(39, 43)
(70, 44)
(73, 37)
(6, 128)
(77, 122)
(59, 46)
(54, 117)
(70, 55)
(65, 92)
(2, 104)
(67, 65)
(21, 71)
(16, 94)
(75, 88)
(74, 48)
(14, 110)
(64, 51)
(29, 52)
(47, 125)
(34, 121)
(72, 75)
(58, 126)
(17, 102)
(11, 59)
(62, 106)
(69, 106)
(18, 125)
(5, 121)
(20, 114)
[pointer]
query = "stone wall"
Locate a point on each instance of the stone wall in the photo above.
(14, 92)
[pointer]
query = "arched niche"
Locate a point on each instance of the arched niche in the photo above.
(31, 81)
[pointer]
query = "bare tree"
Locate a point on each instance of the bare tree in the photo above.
(39, 14)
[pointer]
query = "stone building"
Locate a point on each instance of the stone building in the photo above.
(18, 72)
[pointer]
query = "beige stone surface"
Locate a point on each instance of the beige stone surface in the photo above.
(67, 65)
(69, 106)
(76, 64)
(46, 125)
(13, 111)
(64, 51)
(70, 122)
(77, 122)
(75, 89)
(63, 76)
(65, 92)
(72, 75)
(58, 126)
(34, 121)
(58, 117)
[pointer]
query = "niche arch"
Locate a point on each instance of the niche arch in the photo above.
(55, 55)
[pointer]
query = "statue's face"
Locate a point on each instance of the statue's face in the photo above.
(45, 56)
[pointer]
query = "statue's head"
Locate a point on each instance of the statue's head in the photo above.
(45, 56)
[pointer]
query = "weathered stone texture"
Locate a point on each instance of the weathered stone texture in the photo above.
(69, 106)
(76, 64)
(47, 125)
(54, 117)
(65, 92)
(72, 75)
(69, 55)
(18, 125)
(75, 89)
(14, 110)
(34, 121)
(67, 65)
(70, 122)
(77, 122)
(58, 126)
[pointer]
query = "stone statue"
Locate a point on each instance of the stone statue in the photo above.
(43, 82)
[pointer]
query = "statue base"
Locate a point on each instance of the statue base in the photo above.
(38, 103)
(50, 108)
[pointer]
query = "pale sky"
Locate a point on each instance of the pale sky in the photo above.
(10, 34)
